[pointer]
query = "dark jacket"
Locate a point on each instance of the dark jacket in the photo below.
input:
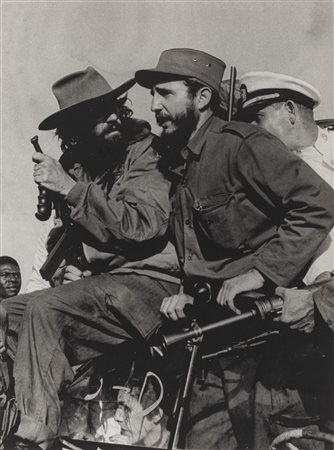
(125, 214)
(245, 202)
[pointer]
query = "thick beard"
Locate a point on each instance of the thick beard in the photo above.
(185, 124)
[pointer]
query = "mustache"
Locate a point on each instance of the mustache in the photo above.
(110, 127)
(161, 118)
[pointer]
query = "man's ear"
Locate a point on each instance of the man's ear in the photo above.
(203, 97)
(157, 415)
(291, 109)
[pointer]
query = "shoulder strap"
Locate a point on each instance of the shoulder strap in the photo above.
(241, 129)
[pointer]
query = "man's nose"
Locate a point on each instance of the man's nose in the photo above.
(156, 103)
(13, 277)
(112, 118)
(119, 415)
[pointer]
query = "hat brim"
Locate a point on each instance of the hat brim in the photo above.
(150, 77)
(69, 113)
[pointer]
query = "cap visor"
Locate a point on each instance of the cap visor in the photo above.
(73, 111)
(151, 77)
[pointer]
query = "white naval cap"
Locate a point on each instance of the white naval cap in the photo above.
(264, 88)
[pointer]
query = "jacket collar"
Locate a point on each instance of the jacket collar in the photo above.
(196, 144)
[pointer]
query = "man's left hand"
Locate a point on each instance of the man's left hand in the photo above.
(173, 307)
(248, 281)
(298, 309)
(49, 173)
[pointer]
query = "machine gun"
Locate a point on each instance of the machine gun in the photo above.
(45, 203)
(261, 310)
(67, 242)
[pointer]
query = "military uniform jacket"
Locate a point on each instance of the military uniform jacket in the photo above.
(126, 216)
(244, 201)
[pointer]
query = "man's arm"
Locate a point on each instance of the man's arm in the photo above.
(304, 205)
(299, 304)
(324, 300)
(136, 213)
(304, 213)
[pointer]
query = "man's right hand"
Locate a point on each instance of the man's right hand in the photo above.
(173, 307)
(72, 273)
(298, 309)
(49, 173)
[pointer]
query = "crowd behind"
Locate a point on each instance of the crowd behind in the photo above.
(242, 205)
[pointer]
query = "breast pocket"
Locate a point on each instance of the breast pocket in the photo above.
(218, 223)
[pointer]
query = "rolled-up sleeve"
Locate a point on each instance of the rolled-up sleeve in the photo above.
(135, 210)
(303, 200)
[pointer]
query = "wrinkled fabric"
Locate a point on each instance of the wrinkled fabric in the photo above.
(221, 405)
(244, 201)
(68, 325)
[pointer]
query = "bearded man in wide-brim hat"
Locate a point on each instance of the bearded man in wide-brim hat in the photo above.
(118, 200)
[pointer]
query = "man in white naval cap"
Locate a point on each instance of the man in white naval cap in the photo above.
(284, 105)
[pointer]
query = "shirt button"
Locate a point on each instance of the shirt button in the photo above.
(187, 222)
(329, 321)
(189, 257)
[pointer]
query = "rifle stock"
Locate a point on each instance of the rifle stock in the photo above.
(64, 248)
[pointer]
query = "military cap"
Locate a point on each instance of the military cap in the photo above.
(258, 89)
(180, 63)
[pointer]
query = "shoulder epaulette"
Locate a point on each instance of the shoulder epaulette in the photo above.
(241, 129)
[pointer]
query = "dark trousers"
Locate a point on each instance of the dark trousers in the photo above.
(53, 329)
(221, 406)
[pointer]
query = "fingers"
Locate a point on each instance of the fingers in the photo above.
(71, 274)
(119, 439)
(226, 296)
(87, 273)
(73, 270)
(173, 307)
(39, 157)
(281, 291)
(247, 281)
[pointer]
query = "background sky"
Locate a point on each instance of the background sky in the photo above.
(41, 41)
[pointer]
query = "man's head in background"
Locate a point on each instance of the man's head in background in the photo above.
(282, 105)
(10, 277)
(139, 411)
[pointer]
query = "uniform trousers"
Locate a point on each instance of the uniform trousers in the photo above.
(51, 330)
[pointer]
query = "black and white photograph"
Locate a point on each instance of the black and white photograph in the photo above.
(166, 225)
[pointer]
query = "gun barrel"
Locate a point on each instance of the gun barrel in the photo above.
(233, 76)
(199, 331)
(35, 143)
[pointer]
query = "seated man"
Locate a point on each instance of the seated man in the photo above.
(10, 277)
(247, 215)
(284, 106)
(112, 191)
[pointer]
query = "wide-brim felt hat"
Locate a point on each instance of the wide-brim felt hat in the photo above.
(78, 93)
(180, 63)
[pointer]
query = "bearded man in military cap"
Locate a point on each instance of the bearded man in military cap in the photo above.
(247, 215)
